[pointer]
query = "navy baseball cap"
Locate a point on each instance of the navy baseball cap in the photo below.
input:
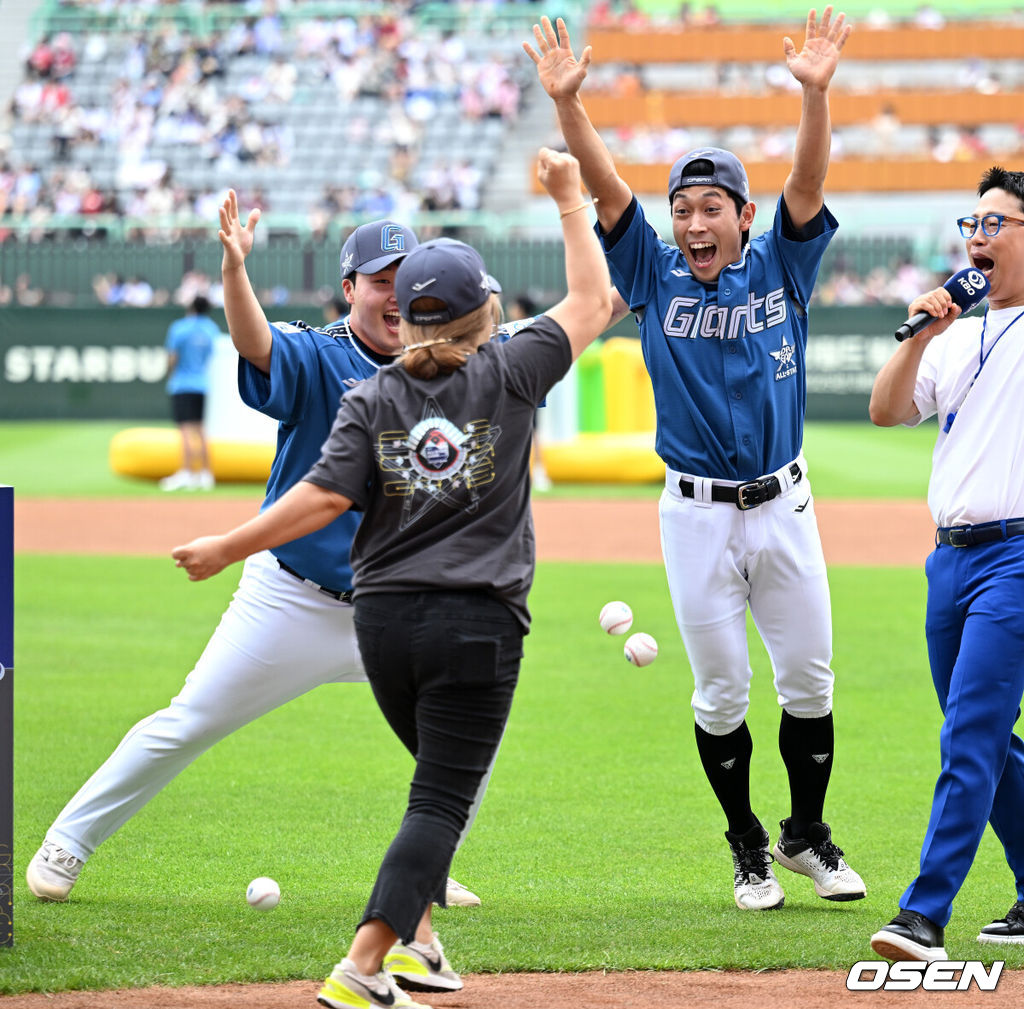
(452, 272)
(373, 246)
(709, 166)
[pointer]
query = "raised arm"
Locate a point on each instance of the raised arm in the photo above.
(619, 308)
(305, 508)
(892, 395)
(813, 66)
(248, 326)
(586, 310)
(562, 75)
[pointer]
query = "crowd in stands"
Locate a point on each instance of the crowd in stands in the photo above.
(173, 90)
(643, 144)
(631, 15)
(156, 87)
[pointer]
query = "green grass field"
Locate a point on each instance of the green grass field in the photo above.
(847, 460)
(599, 845)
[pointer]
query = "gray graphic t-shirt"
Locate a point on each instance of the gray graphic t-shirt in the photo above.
(440, 469)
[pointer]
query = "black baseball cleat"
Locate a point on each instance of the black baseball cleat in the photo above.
(755, 887)
(910, 936)
(817, 857)
(1006, 930)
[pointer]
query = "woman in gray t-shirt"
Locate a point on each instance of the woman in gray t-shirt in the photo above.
(435, 451)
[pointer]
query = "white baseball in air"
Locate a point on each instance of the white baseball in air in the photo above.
(263, 893)
(641, 649)
(616, 617)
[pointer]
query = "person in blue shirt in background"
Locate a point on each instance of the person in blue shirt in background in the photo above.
(189, 347)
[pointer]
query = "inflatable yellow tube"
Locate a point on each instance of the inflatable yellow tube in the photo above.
(604, 458)
(155, 452)
(151, 453)
(628, 395)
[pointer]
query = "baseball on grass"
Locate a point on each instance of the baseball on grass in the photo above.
(616, 617)
(263, 894)
(641, 649)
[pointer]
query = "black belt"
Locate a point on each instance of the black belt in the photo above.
(984, 532)
(342, 596)
(745, 495)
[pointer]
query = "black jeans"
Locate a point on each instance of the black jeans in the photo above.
(443, 667)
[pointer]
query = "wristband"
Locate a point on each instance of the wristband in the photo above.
(566, 213)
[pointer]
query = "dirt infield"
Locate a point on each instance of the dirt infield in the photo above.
(788, 989)
(868, 533)
(853, 532)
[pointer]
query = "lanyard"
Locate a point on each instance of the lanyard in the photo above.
(982, 358)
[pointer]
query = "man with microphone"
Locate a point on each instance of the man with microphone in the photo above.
(970, 372)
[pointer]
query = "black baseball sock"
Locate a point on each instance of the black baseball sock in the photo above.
(806, 745)
(726, 761)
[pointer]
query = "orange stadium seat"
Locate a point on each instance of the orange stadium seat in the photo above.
(712, 108)
(764, 43)
(846, 176)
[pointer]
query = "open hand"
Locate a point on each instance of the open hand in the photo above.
(558, 69)
(815, 64)
(236, 238)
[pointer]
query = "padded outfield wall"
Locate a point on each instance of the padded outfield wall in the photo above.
(101, 363)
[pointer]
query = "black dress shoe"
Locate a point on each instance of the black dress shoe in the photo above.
(910, 936)
(1006, 930)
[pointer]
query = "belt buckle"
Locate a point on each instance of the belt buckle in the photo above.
(758, 489)
(961, 536)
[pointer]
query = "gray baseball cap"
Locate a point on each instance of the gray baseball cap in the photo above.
(709, 166)
(452, 272)
(373, 246)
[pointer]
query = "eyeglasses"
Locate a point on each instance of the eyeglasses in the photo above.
(990, 224)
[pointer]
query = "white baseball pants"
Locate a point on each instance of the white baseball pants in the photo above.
(278, 639)
(719, 560)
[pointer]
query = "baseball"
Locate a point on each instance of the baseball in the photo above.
(263, 894)
(641, 649)
(616, 618)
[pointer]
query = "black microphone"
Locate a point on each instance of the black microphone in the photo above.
(967, 288)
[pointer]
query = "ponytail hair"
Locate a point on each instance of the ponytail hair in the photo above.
(440, 348)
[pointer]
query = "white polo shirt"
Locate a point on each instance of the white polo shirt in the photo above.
(978, 464)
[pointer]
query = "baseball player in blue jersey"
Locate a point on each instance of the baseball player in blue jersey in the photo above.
(289, 626)
(970, 372)
(723, 325)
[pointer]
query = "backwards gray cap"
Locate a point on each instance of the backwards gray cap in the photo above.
(709, 166)
(373, 246)
(452, 272)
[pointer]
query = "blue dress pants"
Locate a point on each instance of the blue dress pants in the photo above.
(975, 631)
(443, 667)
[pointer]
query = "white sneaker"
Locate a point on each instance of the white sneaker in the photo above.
(204, 480)
(52, 872)
(346, 988)
(182, 480)
(459, 896)
(421, 966)
(755, 887)
(541, 480)
(817, 857)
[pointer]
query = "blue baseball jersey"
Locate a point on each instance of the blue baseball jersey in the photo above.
(727, 361)
(191, 340)
(310, 370)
